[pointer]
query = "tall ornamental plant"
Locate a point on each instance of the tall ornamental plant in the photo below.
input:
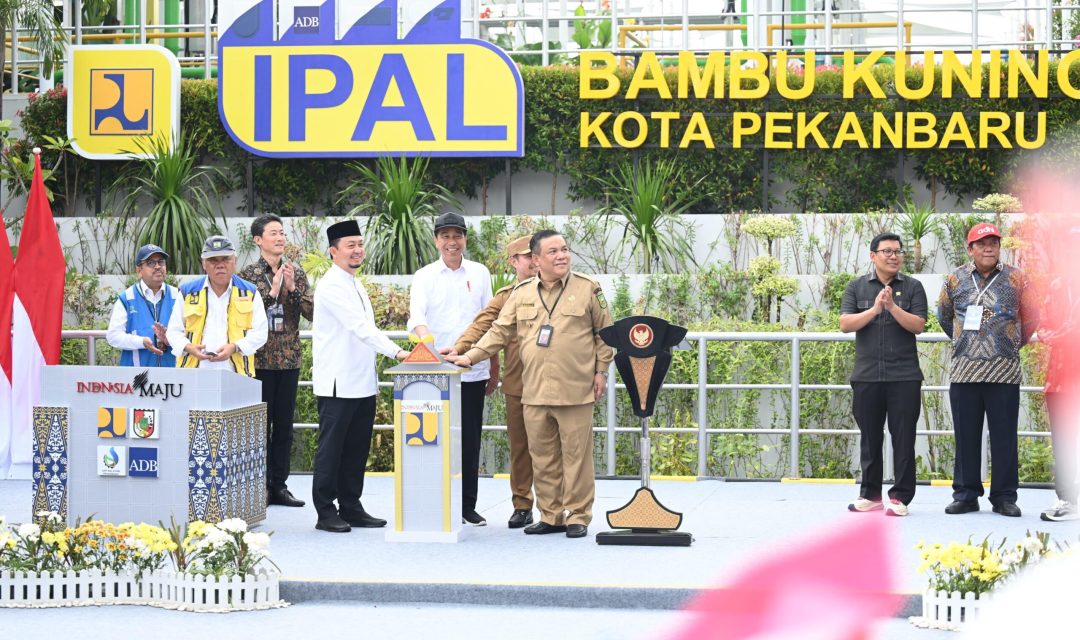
(184, 200)
(399, 204)
(645, 201)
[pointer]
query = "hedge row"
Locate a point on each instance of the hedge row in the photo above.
(842, 180)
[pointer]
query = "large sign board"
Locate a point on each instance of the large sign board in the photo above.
(324, 80)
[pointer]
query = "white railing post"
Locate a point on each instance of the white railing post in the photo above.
(795, 380)
(703, 406)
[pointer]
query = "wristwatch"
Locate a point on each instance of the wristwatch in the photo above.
(603, 373)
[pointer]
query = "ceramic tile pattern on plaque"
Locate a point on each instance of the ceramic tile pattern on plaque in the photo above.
(51, 460)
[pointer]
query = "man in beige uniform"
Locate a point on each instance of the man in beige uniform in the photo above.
(557, 318)
(521, 473)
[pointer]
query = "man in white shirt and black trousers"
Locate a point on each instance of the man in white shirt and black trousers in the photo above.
(444, 298)
(344, 343)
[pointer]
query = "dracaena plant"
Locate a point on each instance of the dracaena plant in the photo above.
(643, 199)
(399, 204)
(184, 206)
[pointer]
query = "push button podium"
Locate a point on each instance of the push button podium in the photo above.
(427, 448)
(130, 444)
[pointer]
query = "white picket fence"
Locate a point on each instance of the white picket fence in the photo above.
(950, 610)
(159, 589)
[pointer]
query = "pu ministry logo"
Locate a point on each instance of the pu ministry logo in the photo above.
(120, 98)
(338, 79)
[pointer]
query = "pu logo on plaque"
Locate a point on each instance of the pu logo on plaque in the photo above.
(112, 422)
(111, 460)
(421, 422)
(142, 462)
(120, 98)
(144, 424)
(348, 79)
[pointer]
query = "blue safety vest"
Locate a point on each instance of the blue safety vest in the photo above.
(140, 321)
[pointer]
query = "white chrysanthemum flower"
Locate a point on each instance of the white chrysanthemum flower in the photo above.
(257, 541)
(233, 525)
(29, 531)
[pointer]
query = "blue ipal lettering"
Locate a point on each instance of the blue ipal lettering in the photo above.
(300, 100)
(393, 67)
(456, 129)
(264, 98)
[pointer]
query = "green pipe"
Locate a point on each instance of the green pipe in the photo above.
(131, 15)
(172, 16)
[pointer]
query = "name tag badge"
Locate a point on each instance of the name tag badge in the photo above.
(543, 339)
(275, 316)
(973, 317)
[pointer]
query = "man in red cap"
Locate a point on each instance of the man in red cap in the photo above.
(988, 310)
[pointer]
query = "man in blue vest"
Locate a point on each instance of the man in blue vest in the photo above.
(137, 325)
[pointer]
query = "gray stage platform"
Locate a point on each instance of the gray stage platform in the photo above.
(494, 565)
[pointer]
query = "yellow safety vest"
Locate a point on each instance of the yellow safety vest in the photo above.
(239, 320)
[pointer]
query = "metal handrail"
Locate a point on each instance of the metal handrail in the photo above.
(703, 431)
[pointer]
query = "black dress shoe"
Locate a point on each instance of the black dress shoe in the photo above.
(1007, 509)
(333, 524)
(576, 531)
(520, 518)
(541, 528)
(285, 498)
(363, 520)
(961, 506)
(473, 518)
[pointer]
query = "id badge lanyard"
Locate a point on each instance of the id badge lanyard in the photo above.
(155, 311)
(974, 314)
(543, 339)
(275, 313)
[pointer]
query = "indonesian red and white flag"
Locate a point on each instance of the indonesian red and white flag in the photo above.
(37, 316)
(7, 291)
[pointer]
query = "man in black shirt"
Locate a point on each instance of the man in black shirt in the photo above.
(887, 311)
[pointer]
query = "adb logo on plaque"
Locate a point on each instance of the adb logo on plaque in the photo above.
(346, 79)
(142, 462)
(120, 98)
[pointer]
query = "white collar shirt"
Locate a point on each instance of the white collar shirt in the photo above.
(216, 328)
(446, 301)
(345, 338)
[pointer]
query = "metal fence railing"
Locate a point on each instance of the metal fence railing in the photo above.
(700, 340)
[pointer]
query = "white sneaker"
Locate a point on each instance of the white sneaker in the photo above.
(1060, 511)
(862, 505)
(896, 508)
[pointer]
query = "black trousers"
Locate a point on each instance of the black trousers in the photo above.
(1000, 403)
(1064, 410)
(900, 403)
(472, 420)
(279, 394)
(345, 426)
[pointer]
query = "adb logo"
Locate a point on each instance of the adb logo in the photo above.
(306, 20)
(340, 80)
(120, 98)
(142, 462)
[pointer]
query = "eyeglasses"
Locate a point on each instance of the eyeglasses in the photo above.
(154, 263)
(888, 253)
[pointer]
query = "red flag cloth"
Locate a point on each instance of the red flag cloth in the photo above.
(833, 587)
(40, 269)
(37, 319)
(7, 290)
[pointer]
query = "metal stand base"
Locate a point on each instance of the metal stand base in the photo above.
(645, 538)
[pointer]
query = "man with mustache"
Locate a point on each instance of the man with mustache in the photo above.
(556, 318)
(222, 321)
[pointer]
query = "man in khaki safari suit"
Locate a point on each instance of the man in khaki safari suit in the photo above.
(521, 473)
(556, 318)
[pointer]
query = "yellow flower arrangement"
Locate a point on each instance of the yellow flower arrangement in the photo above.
(979, 568)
